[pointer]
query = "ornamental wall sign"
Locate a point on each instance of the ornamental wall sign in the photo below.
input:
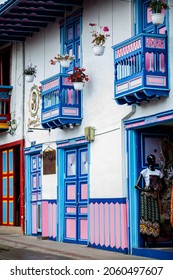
(33, 104)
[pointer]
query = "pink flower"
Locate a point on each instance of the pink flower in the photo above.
(105, 29)
(99, 35)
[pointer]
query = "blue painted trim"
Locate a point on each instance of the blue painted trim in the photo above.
(49, 200)
(151, 253)
(119, 250)
(28, 207)
(72, 142)
(33, 149)
(51, 238)
(133, 226)
(60, 204)
(108, 200)
(150, 120)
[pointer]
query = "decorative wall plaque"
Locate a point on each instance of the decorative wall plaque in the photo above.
(49, 161)
(34, 101)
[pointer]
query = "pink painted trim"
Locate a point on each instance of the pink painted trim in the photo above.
(83, 210)
(54, 221)
(106, 224)
(71, 228)
(101, 229)
(71, 210)
(112, 225)
(34, 218)
(45, 219)
(84, 229)
(50, 220)
(124, 225)
(117, 215)
(96, 223)
(71, 192)
(84, 191)
(92, 223)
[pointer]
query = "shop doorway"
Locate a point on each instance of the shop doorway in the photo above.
(159, 142)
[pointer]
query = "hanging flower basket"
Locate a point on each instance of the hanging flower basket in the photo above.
(158, 8)
(65, 63)
(99, 35)
(64, 60)
(99, 50)
(78, 78)
(78, 85)
(30, 72)
(157, 18)
(29, 78)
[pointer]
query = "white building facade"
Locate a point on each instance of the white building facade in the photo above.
(70, 159)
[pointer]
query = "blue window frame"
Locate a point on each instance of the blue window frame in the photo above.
(143, 19)
(71, 28)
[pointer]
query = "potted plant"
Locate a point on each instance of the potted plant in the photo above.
(30, 72)
(157, 6)
(64, 60)
(78, 78)
(99, 35)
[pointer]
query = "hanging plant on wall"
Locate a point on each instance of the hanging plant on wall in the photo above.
(99, 35)
(78, 78)
(30, 72)
(157, 7)
(64, 60)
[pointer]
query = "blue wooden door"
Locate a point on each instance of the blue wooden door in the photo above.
(76, 196)
(36, 194)
(8, 193)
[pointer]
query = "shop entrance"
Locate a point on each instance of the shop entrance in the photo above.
(158, 141)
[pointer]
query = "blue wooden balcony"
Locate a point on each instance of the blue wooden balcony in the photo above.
(5, 116)
(61, 104)
(141, 69)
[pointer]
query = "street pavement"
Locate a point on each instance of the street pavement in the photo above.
(17, 246)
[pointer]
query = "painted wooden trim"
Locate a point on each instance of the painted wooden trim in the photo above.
(108, 224)
(149, 120)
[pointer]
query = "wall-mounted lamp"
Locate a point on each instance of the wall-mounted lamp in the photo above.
(31, 129)
(89, 133)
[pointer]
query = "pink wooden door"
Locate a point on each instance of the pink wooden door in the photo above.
(76, 196)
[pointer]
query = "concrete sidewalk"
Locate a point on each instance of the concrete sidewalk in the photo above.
(73, 251)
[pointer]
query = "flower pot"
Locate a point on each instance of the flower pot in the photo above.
(157, 18)
(78, 85)
(65, 63)
(29, 78)
(98, 50)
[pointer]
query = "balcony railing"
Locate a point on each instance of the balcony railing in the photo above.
(61, 104)
(5, 107)
(141, 68)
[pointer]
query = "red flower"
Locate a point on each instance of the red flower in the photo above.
(92, 24)
(78, 75)
(105, 29)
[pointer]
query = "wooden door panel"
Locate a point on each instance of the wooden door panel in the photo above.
(8, 194)
(76, 195)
